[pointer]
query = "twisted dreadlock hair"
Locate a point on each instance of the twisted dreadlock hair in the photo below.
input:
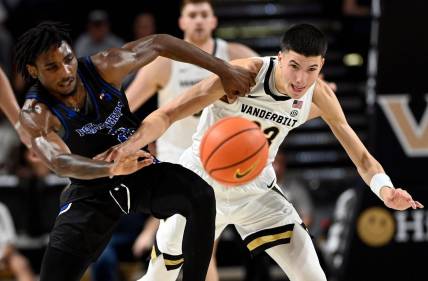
(37, 41)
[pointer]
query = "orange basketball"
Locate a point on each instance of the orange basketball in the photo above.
(234, 151)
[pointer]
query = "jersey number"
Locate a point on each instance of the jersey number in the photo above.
(270, 132)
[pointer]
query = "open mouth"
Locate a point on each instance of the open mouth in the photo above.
(297, 89)
(67, 84)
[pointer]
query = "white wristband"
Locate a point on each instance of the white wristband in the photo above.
(378, 181)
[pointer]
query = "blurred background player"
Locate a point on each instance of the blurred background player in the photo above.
(10, 259)
(98, 36)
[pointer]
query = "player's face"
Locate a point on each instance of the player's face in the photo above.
(197, 22)
(56, 70)
(298, 72)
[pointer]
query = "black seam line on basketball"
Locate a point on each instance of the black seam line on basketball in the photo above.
(226, 140)
(243, 160)
(214, 126)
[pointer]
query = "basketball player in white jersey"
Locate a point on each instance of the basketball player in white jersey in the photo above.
(170, 78)
(287, 94)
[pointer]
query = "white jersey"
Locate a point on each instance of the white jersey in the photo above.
(275, 113)
(183, 75)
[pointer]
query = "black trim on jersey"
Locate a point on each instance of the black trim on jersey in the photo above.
(104, 84)
(276, 189)
(98, 77)
(215, 47)
(49, 103)
(266, 84)
(268, 238)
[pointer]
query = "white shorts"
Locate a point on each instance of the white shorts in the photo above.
(167, 152)
(259, 210)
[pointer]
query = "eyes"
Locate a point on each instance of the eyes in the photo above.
(68, 59)
(297, 67)
(193, 15)
(54, 66)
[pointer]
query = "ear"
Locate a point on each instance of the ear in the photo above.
(280, 54)
(214, 22)
(32, 70)
(181, 23)
(322, 62)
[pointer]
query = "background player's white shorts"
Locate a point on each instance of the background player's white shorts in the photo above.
(257, 207)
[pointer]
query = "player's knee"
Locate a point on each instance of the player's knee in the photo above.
(203, 199)
(315, 274)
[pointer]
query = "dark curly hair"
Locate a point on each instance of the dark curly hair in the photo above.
(36, 41)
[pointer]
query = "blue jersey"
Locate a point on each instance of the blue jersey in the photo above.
(107, 120)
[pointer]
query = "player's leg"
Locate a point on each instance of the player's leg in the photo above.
(177, 190)
(167, 259)
(270, 223)
(212, 274)
(298, 258)
(60, 265)
(80, 233)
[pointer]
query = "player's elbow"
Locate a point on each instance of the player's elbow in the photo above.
(60, 166)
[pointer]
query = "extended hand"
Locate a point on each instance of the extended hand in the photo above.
(115, 152)
(237, 81)
(398, 199)
(132, 163)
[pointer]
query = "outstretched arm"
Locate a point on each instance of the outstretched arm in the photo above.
(368, 167)
(192, 101)
(114, 64)
(42, 125)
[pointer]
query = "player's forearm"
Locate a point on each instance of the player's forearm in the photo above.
(368, 167)
(366, 164)
(176, 49)
(195, 99)
(8, 103)
(79, 167)
(152, 127)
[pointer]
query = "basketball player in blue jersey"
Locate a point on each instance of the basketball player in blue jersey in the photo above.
(74, 111)
(287, 94)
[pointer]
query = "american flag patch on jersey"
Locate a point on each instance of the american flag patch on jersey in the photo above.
(297, 104)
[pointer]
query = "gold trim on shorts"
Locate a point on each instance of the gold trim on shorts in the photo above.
(268, 238)
(171, 261)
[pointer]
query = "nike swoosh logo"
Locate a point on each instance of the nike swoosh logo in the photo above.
(271, 184)
(240, 175)
(253, 97)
